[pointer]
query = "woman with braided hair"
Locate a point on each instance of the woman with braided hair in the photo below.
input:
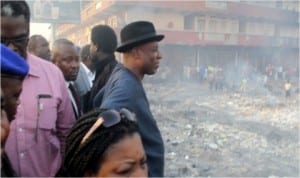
(104, 143)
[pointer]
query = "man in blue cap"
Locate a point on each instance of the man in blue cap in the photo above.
(13, 70)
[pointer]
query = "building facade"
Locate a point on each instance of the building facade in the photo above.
(202, 33)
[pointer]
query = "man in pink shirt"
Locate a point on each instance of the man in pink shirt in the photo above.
(44, 117)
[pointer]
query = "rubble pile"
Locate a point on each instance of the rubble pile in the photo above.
(225, 134)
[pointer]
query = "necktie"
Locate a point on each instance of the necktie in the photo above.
(76, 98)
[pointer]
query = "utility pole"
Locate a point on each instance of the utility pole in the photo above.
(53, 31)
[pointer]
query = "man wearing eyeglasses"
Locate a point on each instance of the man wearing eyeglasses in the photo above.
(44, 117)
(124, 88)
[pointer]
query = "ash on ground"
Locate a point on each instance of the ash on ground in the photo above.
(223, 133)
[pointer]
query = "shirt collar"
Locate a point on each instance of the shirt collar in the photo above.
(87, 70)
(34, 68)
(69, 83)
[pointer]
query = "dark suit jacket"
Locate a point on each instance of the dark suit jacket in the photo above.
(104, 69)
(125, 90)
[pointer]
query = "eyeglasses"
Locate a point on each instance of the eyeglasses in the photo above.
(107, 119)
(19, 40)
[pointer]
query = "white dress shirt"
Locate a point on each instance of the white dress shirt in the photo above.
(90, 74)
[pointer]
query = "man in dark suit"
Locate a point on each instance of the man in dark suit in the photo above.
(124, 88)
(39, 46)
(65, 56)
(86, 75)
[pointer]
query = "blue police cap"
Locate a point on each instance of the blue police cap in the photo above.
(13, 64)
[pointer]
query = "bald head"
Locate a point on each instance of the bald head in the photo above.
(39, 46)
(65, 56)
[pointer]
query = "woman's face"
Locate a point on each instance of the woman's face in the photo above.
(11, 89)
(4, 128)
(4, 122)
(125, 159)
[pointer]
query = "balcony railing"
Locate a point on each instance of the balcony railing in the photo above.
(205, 38)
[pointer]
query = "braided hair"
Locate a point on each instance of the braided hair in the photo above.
(89, 156)
(105, 38)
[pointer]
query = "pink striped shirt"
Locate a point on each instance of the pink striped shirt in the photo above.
(44, 117)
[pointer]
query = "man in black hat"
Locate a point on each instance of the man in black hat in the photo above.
(124, 88)
(103, 46)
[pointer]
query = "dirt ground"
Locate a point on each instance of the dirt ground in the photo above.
(226, 134)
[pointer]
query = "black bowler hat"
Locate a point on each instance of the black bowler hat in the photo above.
(137, 33)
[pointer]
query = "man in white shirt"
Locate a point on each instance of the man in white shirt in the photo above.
(86, 74)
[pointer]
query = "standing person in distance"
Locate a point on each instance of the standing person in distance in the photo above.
(287, 88)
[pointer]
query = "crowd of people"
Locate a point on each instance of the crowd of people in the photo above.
(75, 113)
(244, 77)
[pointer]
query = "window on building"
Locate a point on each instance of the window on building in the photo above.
(290, 5)
(290, 31)
(268, 4)
(256, 28)
(112, 21)
(269, 29)
(213, 25)
(223, 25)
(279, 4)
(216, 4)
(102, 22)
(242, 27)
(235, 26)
(250, 28)
(201, 24)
